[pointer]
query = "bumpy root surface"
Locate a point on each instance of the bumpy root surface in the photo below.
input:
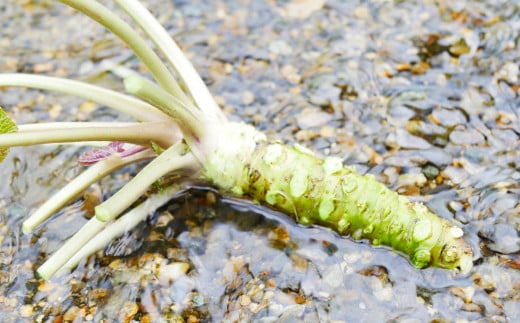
(324, 192)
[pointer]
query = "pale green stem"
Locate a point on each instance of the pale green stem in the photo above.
(134, 107)
(117, 26)
(137, 133)
(175, 57)
(172, 159)
(192, 122)
(126, 222)
(79, 184)
(59, 258)
(28, 127)
(118, 70)
(161, 99)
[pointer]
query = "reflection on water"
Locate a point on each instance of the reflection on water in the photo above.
(242, 261)
(215, 259)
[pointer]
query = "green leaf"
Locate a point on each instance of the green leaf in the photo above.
(6, 126)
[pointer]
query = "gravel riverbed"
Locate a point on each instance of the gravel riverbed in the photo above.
(424, 95)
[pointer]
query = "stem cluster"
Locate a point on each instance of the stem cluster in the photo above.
(176, 118)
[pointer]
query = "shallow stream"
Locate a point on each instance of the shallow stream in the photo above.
(422, 94)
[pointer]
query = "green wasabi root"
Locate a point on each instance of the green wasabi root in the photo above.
(323, 192)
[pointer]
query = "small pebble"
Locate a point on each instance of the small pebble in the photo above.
(509, 72)
(310, 117)
(302, 9)
(26, 310)
(173, 271)
(449, 118)
(455, 174)
(466, 137)
(504, 239)
(71, 314)
(405, 140)
(280, 47)
(245, 300)
(430, 172)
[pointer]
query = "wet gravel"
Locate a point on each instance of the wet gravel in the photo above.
(423, 96)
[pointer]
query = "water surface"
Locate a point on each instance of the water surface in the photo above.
(424, 95)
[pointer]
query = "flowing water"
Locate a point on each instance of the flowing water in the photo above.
(422, 94)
